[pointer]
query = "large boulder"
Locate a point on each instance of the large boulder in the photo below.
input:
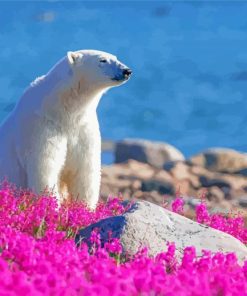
(221, 160)
(146, 224)
(153, 153)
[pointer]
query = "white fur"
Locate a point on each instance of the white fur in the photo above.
(52, 139)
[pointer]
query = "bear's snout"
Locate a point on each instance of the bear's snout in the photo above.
(127, 72)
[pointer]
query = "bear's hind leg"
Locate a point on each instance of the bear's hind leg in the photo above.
(45, 165)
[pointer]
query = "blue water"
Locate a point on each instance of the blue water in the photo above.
(189, 60)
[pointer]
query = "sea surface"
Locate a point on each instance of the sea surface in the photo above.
(189, 62)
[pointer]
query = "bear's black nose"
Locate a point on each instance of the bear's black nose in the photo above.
(127, 72)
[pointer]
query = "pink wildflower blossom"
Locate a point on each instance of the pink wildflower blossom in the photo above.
(38, 255)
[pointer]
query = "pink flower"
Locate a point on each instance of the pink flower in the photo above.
(178, 205)
(38, 255)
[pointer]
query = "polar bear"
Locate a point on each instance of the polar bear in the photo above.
(51, 140)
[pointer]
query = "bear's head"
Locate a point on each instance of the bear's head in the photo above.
(97, 68)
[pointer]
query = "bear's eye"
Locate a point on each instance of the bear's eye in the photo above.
(103, 60)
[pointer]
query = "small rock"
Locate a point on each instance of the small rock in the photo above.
(221, 160)
(243, 201)
(207, 182)
(242, 172)
(236, 182)
(215, 194)
(161, 187)
(136, 185)
(153, 153)
(199, 171)
(169, 165)
(162, 176)
(194, 181)
(180, 171)
(193, 202)
(140, 170)
(182, 187)
(149, 225)
(227, 193)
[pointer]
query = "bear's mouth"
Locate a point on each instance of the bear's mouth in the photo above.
(120, 78)
(123, 76)
(117, 78)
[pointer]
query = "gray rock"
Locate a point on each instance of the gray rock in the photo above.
(209, 182)
(242, 172)
(243, 201)
(147, 224)
(162, 187)
(153, 153)
(193, 202)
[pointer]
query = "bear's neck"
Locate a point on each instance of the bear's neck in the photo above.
(72, 100)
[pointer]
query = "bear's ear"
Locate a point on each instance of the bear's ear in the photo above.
(74, 57)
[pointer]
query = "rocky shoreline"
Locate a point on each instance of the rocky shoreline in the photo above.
(158, 172)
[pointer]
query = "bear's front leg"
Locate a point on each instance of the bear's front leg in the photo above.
(84, 159)
(45, 162)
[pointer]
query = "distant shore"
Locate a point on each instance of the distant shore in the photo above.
(158, 172)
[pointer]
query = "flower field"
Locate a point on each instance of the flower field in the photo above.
(38, 255)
